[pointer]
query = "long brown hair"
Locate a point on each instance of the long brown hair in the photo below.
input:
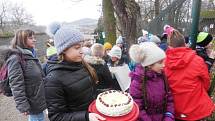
(144, 90)
(91, 71)
(20, 38)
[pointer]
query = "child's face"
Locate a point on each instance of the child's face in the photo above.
(107, 51)
(74, 53)
(209, 46)
(114, 59)
(158, 66)
(119, 45)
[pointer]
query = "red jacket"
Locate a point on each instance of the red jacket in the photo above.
(189, 82)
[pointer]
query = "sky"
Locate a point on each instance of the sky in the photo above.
(46, 11)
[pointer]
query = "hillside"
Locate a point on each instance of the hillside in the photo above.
(85, 25)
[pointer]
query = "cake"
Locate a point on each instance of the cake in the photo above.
(114, 103)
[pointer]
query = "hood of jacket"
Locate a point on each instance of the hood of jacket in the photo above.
(179, 57)
(5, 53)
(94, 60)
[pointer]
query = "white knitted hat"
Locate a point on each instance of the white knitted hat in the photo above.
(115, 52)
(64, 37)
(147, 53)
(142, 39)
(119, 40)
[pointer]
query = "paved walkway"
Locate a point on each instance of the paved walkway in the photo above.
(8, 110)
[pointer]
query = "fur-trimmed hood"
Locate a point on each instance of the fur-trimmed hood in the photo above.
(5, 53)
(94, 60)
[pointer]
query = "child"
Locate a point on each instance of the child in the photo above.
(70, 82)
(107, 47)
(149, 88)
(51, 50)
(204, 48)
(51, 53)
(114, 61)
(101, 68)
(188, 79)
(115, 57)
(120, 42)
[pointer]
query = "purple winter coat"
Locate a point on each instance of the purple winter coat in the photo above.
(155, 88)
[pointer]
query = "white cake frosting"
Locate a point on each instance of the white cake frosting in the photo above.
(114, 103)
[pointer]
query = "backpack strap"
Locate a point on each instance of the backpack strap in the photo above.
(3, 77)
(21, 58)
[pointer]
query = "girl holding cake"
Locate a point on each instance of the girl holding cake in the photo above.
(70, 82)
(149, 87)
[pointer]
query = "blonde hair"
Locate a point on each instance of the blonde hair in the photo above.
(97, 50)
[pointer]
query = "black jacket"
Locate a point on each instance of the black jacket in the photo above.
(102, 71)
(69, 91)
(27, 82)
(202, 53)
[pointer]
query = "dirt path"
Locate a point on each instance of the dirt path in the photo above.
(8, 110)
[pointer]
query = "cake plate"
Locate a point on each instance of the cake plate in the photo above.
(132, 116)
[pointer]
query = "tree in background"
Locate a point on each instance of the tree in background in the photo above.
(3, 15)
(109, 21)
(13, 16)
(157, 7)
(100, 26)
(155, 14)
(19, 16)
(127, 12)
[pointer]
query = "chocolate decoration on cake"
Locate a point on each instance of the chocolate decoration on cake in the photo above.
(114, 103)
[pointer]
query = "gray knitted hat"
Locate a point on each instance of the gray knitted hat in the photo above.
(64, 37)
(155, 39)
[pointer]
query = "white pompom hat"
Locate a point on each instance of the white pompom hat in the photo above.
(147, 53)
(115, 52)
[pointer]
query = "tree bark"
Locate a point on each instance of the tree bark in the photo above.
(157, 7)
(109, 21)
(127, 12)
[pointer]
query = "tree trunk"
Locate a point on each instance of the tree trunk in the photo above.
(127, 12)
(157, 7)
(109, 21)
